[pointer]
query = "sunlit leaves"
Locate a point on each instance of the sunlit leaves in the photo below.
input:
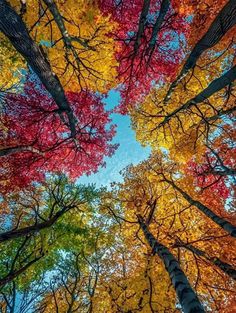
(36, 141)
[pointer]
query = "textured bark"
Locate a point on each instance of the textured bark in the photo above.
(213, 87)
(11, 150)
(187, 297)
(224, 224)
(165, 4)
(141, 25)
(225, 267)
(15, 30)
(225, 20)
(17, 233)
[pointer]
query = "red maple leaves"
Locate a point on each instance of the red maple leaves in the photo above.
(214, 173)
(148, 52)
(35, 140)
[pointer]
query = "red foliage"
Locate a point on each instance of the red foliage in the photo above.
(140, 69)
(207, 182)
(43, 142)
(212, 175)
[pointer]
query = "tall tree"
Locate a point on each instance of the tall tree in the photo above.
(74, 40)
(172, 218)
(225, 20)
(145, 57)
(187, 297)
(14, 28)
(37, 209)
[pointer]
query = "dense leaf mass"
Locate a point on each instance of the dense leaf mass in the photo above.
(149, 51)
(37, 141)
(162, 239)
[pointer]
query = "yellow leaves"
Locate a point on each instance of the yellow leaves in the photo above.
(89, 61)
(180, 125)
(11, 66)
(173, 219)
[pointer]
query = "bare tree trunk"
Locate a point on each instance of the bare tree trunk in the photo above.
(213, 87)
(225, 20)
(15, 30)
(187, 297)
(224, 224)
(225, 267)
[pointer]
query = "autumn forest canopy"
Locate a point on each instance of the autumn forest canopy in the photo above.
(163, 240)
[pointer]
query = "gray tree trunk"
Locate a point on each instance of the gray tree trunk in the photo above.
(187, 297)
(13, 27)
(225, 20)
(224, 224)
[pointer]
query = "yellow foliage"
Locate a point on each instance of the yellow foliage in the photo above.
(90, 61)
(174, 219)
(11, 66)
(184, 133)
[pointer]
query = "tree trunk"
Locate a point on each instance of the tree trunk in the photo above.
(225, 20)
(141, 25)
(213, 87)
(15, 30)
(165, 4)
(187, 297)
(17, 233)
(224, 224)
(225, 267)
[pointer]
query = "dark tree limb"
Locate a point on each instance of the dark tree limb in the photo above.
(11, 276)
(13, 27)
(225, 267)
(186, 295)
(220, 221)
(141, 25)
(224, 21)
(17, 233)
(215, 86)
(165, 4)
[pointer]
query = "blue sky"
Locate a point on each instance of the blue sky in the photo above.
(129, 151)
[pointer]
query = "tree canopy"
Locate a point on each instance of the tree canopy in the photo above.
(163, 238)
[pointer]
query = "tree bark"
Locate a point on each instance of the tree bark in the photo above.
(225, 267)
(225, 20)
(17, 233)
(141, 25)
(213, 87)
(59, 21)
(165, 4)
(224, 224)
(11, 150)
(187, 297)
(15, 30)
